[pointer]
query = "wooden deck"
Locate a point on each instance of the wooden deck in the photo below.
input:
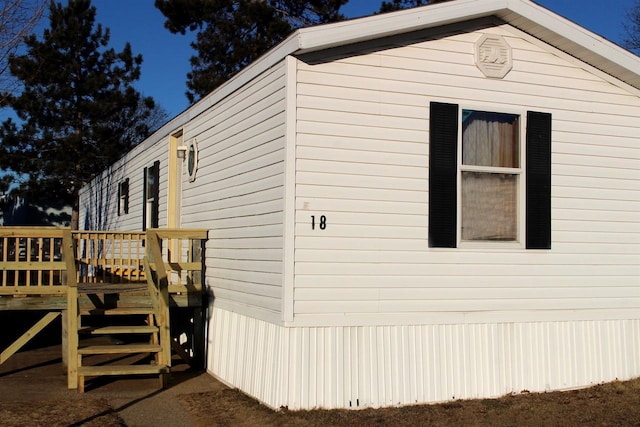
(84, 275)
(33, 266)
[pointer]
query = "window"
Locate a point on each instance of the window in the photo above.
(123, 197)
(151, 195)
(490, 172)
(192, 160)
(491, 169)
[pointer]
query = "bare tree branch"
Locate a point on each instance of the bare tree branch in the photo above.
(632, 27)
(18, 18)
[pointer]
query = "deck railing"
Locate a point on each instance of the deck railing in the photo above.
(118, 257)
(110, 257)
(32, 260)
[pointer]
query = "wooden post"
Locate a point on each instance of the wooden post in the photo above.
(72, 309)
(65, 340)
(153, 248)
(199, 324)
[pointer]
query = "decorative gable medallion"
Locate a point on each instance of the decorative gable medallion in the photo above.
(493, 56)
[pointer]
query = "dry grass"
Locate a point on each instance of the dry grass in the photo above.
(87, 412)
(614, 404)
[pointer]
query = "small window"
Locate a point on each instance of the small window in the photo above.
(150, 206)
(490, 176)
(192, 160)
(123, 197)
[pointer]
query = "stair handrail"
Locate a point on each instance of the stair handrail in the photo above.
(158, 279)
(159, 292)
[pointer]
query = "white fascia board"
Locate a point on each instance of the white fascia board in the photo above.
(390, 24)
(581, 43)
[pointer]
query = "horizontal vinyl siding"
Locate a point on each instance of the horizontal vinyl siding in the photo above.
(238, 194)
(362, 157)
(99, 198)
(372, 366)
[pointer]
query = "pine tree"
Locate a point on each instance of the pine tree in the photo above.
(78, 111)
(393, 5)
(233, 33)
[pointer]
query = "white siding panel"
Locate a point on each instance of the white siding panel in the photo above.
(354, 156)
(448, 257)
(348, 180)
(307, 104)
(313, 165)
(350, 193)
(238, 194)
(444, 85)
(269, 218)
(487, 284)
(239, 276)
(590, 194)
(362, 162)
(373, 366)
(363, 144)
(361, 130)
(471, 270)
(363, 206)
(395, 244)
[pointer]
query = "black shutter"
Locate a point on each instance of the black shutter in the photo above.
(125, 189)
(443, 173)
(119, 199)
(538, 173)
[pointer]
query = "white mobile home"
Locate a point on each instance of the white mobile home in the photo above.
(426, 205)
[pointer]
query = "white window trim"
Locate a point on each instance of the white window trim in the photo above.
(519, 243)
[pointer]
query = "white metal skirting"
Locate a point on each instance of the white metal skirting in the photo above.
(373, 366)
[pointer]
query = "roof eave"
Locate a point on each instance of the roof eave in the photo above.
(377, 26)
(522, 14)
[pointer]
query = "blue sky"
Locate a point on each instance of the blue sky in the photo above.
(166, 55)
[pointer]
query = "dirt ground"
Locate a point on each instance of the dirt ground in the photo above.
(33, 393)
(614, 404)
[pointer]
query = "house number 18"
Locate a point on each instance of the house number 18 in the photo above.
(322, 224)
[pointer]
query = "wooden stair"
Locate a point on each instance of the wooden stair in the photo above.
(139, 351)
(105, 299)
